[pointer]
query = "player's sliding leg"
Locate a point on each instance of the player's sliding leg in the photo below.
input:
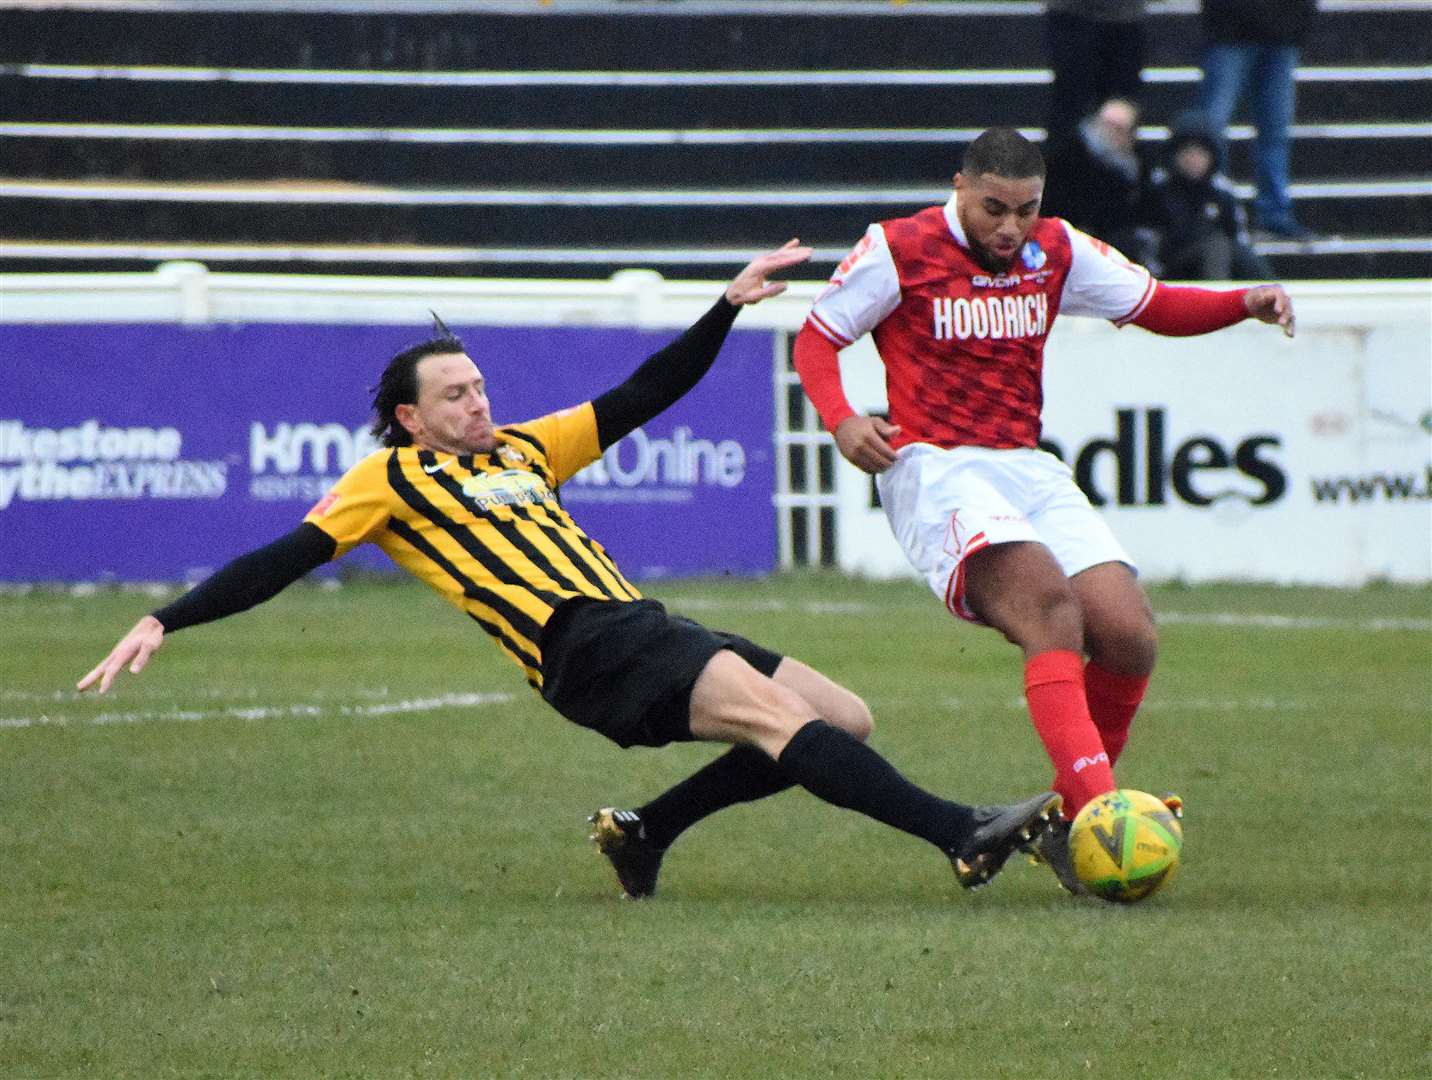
(635, 841)
(994, 834)
(1019, 589)
(732, 702)
(835, 767)
(744, 774)
(1122, 643)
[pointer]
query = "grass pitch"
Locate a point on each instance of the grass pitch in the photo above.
(338, 837)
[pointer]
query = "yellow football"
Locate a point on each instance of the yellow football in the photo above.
(1126, 845)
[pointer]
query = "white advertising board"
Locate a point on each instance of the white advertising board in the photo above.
(1236, 456)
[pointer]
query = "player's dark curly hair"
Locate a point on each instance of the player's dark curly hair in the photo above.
(399, 383)
(1003, 152)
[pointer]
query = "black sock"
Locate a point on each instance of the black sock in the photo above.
(742, 774)
(835, 766)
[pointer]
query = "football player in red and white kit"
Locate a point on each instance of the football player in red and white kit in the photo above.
(960, 299)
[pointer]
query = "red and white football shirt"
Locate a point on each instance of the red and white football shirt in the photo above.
(963, 347)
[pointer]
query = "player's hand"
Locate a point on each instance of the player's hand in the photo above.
(134, 649)
(864, 441)
(750, 285)
(1270, 304)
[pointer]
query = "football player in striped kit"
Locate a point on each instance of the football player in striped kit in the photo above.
(959, 300)
(469, 507)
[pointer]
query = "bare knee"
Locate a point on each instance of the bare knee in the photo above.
(778, 714)
(1058, 609)
(831, 701)
(1120, 634)
(1130, 649)
(732, 702)
(1019, 589)
(1119, 630)
(1041, 619)
(853, 715)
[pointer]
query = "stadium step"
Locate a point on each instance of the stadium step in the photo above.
(600, 158)
(695, 233)
(746, 217)
(631, 36)
(752, 98)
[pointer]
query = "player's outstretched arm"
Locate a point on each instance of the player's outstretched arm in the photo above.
(1186, 310)
(668, 374)
(1270, 304)
(239, 585)
(133, 650)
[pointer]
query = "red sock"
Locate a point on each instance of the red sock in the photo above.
(1054, 688)
(1113, 700)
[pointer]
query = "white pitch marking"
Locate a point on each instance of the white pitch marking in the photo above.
(1376, 624)
(267, 712)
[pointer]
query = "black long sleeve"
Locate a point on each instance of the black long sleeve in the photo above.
(664, 377)
(250, 579)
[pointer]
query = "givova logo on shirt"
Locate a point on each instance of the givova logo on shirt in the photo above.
(960, 318)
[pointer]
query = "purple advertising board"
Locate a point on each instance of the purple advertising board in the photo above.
(149, 452)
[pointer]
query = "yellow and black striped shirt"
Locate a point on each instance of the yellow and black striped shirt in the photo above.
(486, 531)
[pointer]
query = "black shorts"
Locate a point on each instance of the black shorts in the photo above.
(626, 668)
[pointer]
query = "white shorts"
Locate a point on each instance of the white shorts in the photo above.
(944, 505)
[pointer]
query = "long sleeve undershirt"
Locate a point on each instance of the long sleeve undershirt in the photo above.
(817, 362)
(665, 376)
(250, 579)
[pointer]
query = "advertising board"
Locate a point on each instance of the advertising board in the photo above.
(156, 452)
(1237, 456)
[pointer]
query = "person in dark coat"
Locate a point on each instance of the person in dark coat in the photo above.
(1202, 225)
(1096, 179)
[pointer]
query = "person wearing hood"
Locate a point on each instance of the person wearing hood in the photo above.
(1202, 226)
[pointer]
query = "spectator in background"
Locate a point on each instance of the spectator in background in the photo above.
(1096, 179)
(1255, 47)
(1203, 230)
(1096, 51)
